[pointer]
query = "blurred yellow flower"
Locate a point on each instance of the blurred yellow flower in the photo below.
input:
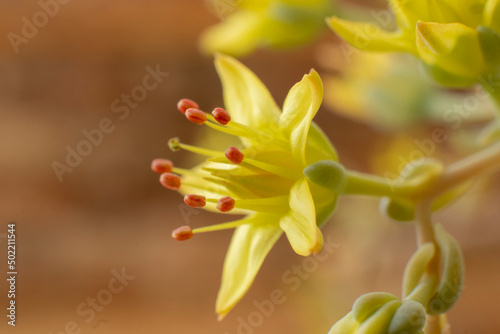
(454, 39)
(387, 91)
(263, 179)
(265, 24)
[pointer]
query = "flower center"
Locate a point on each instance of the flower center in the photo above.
(254, 179)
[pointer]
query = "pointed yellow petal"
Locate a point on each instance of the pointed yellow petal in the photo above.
(407, 12)
(492, 14)
(248, 249)
(452, 47)
(238, 35)
(300, 107)
(319, 146)
(246, 98)
(468, 12)
(299, 223)
(370, 37)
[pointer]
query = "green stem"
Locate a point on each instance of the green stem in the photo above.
(425, 230)
(433, 325)
(470, 167)
(455, 174)
(425, 233)
(371, 185)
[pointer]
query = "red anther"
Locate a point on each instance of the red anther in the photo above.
(221, 116)
(195, 201)
(182, 233)
(225, 204)
(161, 166)
(196, 116)
(170, 181)
(185, 104)
(234, 155)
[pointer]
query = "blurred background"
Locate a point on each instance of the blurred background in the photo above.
(108, 216)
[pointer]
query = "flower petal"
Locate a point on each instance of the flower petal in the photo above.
(370, 37)
(452, 47)
(238, 35)
(249, 247)
(300, 107)
(492, 14)
(299, 223)
(246, 98)
(319, 146)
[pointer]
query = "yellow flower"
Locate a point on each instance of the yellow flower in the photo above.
(266, 23)
(262, 179)
(386, 91)
(454, 39)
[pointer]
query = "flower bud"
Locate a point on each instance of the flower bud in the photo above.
(452, 279)
(416, 267)
(366, 305)
(346, 325)
(327, 173)
(397, 209)
(409, 318)
(381, 312)
(380, 321)
(451, 51)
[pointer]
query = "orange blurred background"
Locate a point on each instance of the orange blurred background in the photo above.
(110, 214)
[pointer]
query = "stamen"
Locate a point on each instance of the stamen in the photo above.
(174, 144)
(277, 205)
(232, 187)
(223, 226)
(221, 116)
(196, 116)
(161, 166)
(170, 181)
(182, 233)
(289, 173)
(185, 104)
(225, 204)
(234, 155)
(195, 201)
